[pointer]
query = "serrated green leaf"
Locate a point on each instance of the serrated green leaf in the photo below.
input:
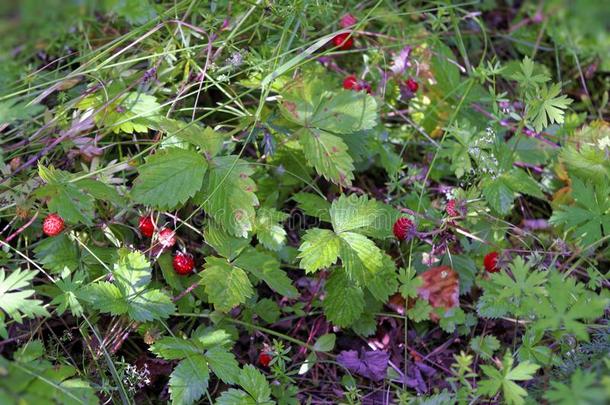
(319, 249)
(174, 348)
(255, 384)
(189, 380)
(228, 195)
(344, 301)
(57, 253)
(226, 245)
(266, 267)
(169, 178)
(328, 154)
(15, 297)
(313, 205)
(359, 255)
(223, 364)
(350, 213)
(269, 229)
(227, 286)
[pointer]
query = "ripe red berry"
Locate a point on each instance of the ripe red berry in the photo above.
(52, 225)
(351, 83)
(146, 225)
(167, 237)
(344, 41)
(402, 227)
(264, 359)
(450, 209)
(183, 263)
(491, 262)
(412, 85)
(347, 21)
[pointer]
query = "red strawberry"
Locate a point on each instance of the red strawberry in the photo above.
(347, 21)
(352, 83)
(402, 228)
(264, 359)
(344, 41)
(183, 263)
(52, 225)
(146, 225)
(491, 262)
(167, 237)
(412, 85)
(450, 209)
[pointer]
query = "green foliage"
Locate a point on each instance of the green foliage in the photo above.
(129, 293)
(504, 379)
(15, 298)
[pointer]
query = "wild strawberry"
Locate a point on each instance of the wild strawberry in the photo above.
(183, 263)
(491, 262)
(52, 225)
(450, 209)
(146, 225)
(344, 41)
(350, 83)
(264, 359)
(402, 228)
(347, 21)
(167, 237)
(412, 85)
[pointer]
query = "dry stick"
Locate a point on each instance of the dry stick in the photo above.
(22, 228)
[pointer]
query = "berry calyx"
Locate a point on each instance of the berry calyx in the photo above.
(351, 83)
(183, 263)
(167, 237)
(343, 41)
(146, 226)
(412, 85)
(402, 228)
(52, 225)
(490, 261)
(264, 359)
(450, 209)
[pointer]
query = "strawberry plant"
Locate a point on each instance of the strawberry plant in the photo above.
(281, 202)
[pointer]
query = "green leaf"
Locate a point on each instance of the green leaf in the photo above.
(344, 301)
(255, 384)
(359, 255)
(228, 195)
(484, 346)
(583, 390)
(499, 195)
(420, 311)
(223, 364)
(545, 107)
(383, 283)
(351, 213)
(590, 215)
(134, 11)
(521, 182)
(266, 267)
(269, 230)
(189, 380)
(319, 249)
(169, 178)
(227, 286)
(57, 253)
(235, 397)
(325, 343)
(504, 379)
(106, 297)
(11, 111)
(313, 205)
(150, 305)
(328, 154)
(174, 348)
(409, 283)
(208, 140)
(15, 296)
(226, 245)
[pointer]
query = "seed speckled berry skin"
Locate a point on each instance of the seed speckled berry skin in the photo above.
(146, 226)
(450, 209)
(167, 238)
(402, 228)
(53, 225)
(350, 83)
(183, 263)
(490, 261)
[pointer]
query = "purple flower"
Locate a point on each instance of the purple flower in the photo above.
(401, 61)
(371, 364)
